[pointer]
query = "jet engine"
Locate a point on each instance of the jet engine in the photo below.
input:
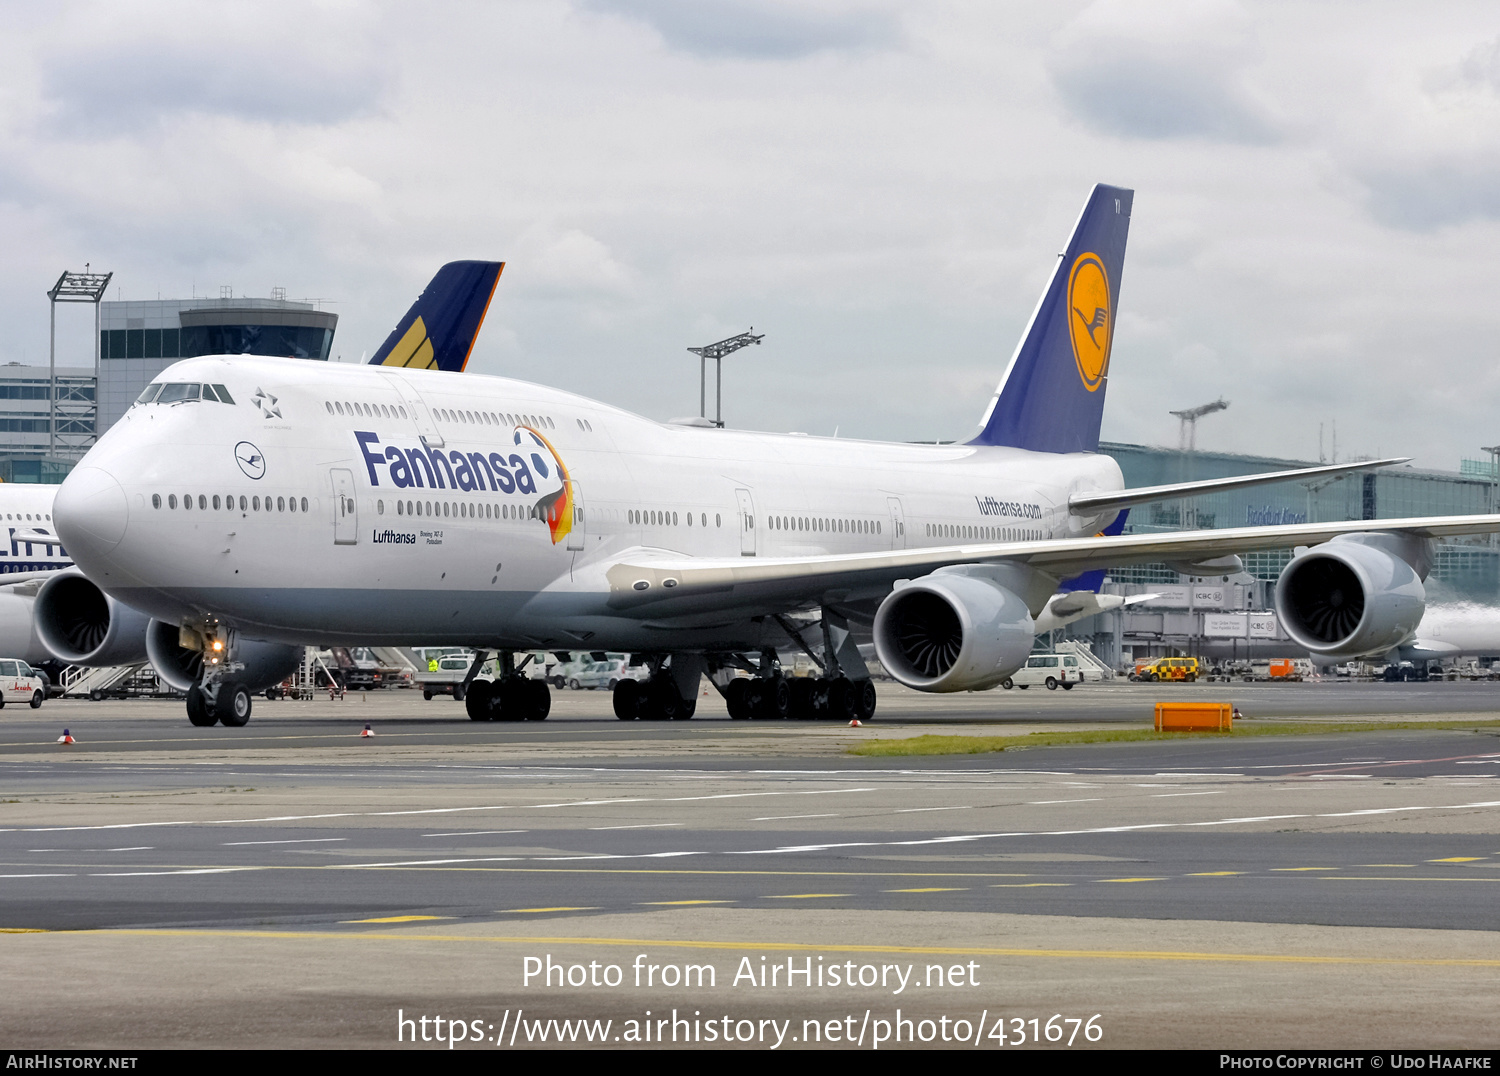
(182, 667)
(81, 625)
(953, 630)
(1357, 595)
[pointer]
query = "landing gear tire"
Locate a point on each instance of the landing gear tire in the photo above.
(803, 698)
(627, 700)
(775, 699)
(865, 697)
(841, 702)
(737, 699)
(199, 712)
(479, 701)
(539, 699)
(233, 705)
(661, 702)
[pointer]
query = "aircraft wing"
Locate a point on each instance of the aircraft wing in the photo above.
(1080, 503)
(660, 583)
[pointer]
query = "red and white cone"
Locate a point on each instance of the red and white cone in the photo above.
(367, 733)
(855, 724)
(66, 737)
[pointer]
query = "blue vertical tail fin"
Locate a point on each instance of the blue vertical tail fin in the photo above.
(1051, 397)
(439, 330)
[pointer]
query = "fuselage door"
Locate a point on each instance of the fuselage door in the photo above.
(747, 522)
(417, 409)
(898, 523)
(345, 519)
(575, 536)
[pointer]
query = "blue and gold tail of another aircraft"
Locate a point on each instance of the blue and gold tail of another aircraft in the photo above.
(1051, 397)
(438, 332)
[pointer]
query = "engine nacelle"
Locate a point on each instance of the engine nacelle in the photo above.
(82, 625)
(1356, 595)
(182, 667)
(954, 630)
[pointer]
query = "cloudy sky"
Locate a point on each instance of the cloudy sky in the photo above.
(879, 187)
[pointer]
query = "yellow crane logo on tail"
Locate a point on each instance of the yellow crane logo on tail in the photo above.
(1089, 321)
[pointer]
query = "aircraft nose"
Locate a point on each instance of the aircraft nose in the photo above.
(90, 512)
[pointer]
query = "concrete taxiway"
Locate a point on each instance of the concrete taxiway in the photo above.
(291, 883)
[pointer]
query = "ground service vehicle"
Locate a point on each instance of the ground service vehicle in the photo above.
(1053, 671)
(1183, 669)
(20, 683)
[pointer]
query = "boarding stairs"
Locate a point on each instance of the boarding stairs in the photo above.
(79, 681)
(1088, 661)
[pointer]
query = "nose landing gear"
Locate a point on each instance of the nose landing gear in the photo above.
(224, 702)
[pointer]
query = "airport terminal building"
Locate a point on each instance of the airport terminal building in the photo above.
(1228, 617)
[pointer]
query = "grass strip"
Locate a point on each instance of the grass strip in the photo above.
(980, 745)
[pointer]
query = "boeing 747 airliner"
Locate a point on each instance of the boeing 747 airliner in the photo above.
(252, 505)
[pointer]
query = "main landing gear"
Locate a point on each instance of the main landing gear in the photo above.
(801, 698)
(513, 697)
(843, 691)
(671, 694)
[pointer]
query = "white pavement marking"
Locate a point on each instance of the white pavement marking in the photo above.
(918, 810)
(1048, 803)
(1169, 795)
(155, 874)
(299, 840)
(475, 833)
(431, 810)
(640, 825)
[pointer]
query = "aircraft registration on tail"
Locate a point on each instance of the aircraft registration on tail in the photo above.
(408, 502)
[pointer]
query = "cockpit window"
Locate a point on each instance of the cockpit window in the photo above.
(224, 396)
(148, 393)
(176, 393)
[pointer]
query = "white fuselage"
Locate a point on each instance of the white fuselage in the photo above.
(30, 544)
(319, 508)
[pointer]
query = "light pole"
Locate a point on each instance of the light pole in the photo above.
(717, 352)
(84, 287)
(1187, 442)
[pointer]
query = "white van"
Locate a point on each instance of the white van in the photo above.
(20, 683)
(1054, 670)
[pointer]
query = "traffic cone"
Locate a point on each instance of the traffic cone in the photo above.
(1236, 715)
(855, 724)
(367, 733)
(66, 737)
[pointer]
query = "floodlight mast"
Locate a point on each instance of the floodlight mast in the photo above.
(717, 352)
(84, 287)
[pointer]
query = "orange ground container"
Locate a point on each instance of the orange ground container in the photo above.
(1194, 716)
